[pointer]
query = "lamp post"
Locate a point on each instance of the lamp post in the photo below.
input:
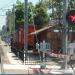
(65, 38)
(25, 29)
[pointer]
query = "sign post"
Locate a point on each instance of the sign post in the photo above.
(65, 36)
(25, 30)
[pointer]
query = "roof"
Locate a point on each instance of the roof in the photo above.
(42, 29)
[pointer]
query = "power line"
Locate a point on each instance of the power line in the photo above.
(4, 10)
(7, 5)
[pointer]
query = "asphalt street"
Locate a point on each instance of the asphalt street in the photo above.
(40, 74)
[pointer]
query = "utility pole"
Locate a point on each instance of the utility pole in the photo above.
(13, 18)
(65, 31)
(25, 29)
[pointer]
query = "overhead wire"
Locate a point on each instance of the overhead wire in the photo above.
(7, 5)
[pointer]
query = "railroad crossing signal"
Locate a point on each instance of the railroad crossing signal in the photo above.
(70, 17)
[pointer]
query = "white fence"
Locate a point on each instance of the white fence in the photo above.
(43, 46)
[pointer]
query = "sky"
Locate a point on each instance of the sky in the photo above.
(5, 5)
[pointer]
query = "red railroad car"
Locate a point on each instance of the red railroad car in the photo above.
(17, 42)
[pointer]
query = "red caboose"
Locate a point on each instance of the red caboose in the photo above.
(18, 39)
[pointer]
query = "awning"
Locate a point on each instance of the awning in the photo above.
(42, 29)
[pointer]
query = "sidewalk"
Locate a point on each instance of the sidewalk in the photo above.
(11, 58)
(29, 69)
(8, 54)
(21, 69)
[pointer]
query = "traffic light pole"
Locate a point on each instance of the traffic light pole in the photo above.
(65, 31)
(25, 29)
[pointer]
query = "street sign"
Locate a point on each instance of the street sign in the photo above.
(70, 17)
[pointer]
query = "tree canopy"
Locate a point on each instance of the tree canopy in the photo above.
(41, 17)
(38, 14)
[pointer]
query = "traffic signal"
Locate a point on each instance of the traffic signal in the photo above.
(70, 17)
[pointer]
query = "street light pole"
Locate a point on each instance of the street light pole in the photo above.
(25, 29)
(65, 31)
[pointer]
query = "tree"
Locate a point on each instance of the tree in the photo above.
(9, 21)
(72, 4)
(55, 7)
(41, 17)
(30, 13)
(19, 14)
